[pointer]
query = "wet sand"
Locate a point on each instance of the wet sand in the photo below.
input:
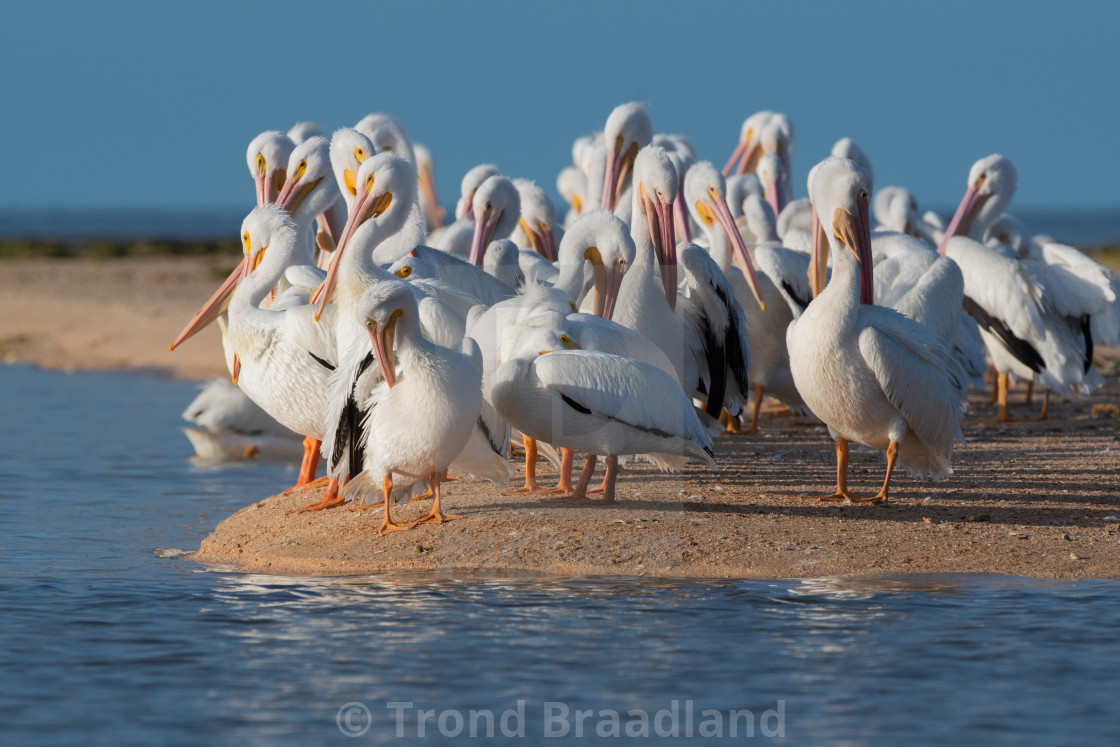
(1027, 499)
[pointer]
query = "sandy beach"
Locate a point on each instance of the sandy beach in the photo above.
(1028, 499)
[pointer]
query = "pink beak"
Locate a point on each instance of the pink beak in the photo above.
(610, 295)
(355, 219)
(964, 210)
(866, 266)
(736, 154)
(483, 230)
(291, 185)
(382, 355)
(614, 168)
(723, 214)
(263, 185)
(684, 228)
(214, 307)
(774, 197)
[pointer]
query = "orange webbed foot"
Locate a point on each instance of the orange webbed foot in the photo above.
(325, 503)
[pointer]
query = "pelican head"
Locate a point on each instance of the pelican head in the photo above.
(705, 195)
(845, 147)
(425, 169)
(770, 173)
(655, 190)
(301, 132)
(538, 217)
(387, 133)
(497, 208)
(628, 130)
(841, 194)
(739, 186)
(759, 219)
(307, 191)
(386, 192)
(502, 261)
(745, 156)
(572, 186)
(603, 240)
(383, 307)
(472, 180)
(896, 209)
(349, 148)
(991, 185)
(265, 226)
(266, 157)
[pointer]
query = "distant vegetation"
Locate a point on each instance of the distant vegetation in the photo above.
(107, 249)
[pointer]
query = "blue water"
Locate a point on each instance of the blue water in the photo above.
(103, 642)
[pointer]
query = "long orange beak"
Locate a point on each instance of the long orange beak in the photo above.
(214, 307)
(365, 207)
(382, 339)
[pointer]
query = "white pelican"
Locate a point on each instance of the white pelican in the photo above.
(311, 193)
(349, 148)
(872, 375)
(536, 226)
(266, 157)
(845, 147)
(387, 133)
(750, 147)
(426, 262)
(228, 425)
(283, 359)
(627, 131)
(1033, 325)
(779, 286)
(429, 195)
(497, 210)
(422, 415)
(456, 238)
(600, 404)
(572, 186)
(301, 132)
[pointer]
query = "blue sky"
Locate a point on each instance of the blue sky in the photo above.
(131, 105)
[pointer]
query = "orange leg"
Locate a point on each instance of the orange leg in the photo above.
(841, 493)
(755, 407)
(310, 464)
(530, 469)
(330, 499)
(579, 495)
(881, 496)
(990, 380)
(436, 516)
(387, 524)
(1045, 407)
(1001, 399)
(564, 486)
(1029, 396)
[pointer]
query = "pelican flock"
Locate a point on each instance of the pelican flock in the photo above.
(637, 324)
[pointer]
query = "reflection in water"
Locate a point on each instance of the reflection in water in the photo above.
(133, 648)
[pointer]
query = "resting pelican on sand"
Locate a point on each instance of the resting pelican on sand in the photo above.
(229, 425)
(1033, 326)
(600, 404)
(422, 414)
(872, 375)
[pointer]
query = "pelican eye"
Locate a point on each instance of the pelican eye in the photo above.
(572, 304)
(981, 179)
(360, 154)
(261, 165)
(247, 242)
(712, 192)
(621, 261)
(567, 342)
(404, 272)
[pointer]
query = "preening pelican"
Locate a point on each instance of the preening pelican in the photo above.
(600, 404)
(627, 131)
(872, 375)
(421, 416)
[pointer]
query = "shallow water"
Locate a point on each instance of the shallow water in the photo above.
(102, 641)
